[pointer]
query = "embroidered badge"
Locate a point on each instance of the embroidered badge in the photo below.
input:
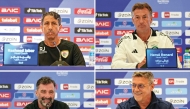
(65, 53)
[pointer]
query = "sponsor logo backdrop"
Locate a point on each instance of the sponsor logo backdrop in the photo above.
(20, 23)
(113, 87)
(113, 19)
(71, 88)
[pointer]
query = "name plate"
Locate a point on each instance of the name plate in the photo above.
(23, 54)
(161, 58)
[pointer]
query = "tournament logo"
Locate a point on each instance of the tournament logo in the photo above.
(65, 53)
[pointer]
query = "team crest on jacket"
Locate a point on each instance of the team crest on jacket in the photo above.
(65, 53)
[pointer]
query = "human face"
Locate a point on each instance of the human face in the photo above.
(50, 27)
(142, 20)
(142, 91)
(45, 94)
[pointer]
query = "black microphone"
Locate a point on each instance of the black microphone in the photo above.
(59, 62)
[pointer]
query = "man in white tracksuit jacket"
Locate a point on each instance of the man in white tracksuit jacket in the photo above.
(131, 48)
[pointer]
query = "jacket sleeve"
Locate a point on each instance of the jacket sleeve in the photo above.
(171, 106)
(119, 59)
(78, 58)
(170, 44)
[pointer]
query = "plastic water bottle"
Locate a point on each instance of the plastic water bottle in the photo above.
(186, 59)
(91, 57)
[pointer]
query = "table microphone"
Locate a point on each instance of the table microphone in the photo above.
(59, 62)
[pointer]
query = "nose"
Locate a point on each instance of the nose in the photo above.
(50, 26)
(141, 20)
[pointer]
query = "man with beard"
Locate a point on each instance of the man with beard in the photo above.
(130, 51)
(143, 95)
(45, 92)
(53, 48)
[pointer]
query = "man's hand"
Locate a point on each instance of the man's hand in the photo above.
(142, 63)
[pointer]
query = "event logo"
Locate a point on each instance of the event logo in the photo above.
(171, 23)
(154, 24)
(177, 101)
(123, 15)
(103, 81)
(21, 103)
(171, 14)
(33, 30)
(157, 91)
(10, 20)
(122, 81)
(33, 39)
(32, 20)
(79, 30)
(24, 95)
(72, 104)
(187, 14)
(103, 101)
(103, 91)
(179, 49)
(176, 91)
(88, 104)
(103, 32)
(84, 39)
(187, 23)
(103, 14)
(34, 10)
(70, 95)
(88, 95)
(84, 21)
(65, 30)
(85, 48)
(9, 29)
(103, 23)
(70, 86)
(122, 91)
(61, 11)
(66, 21)
(176, 81)
(84, 11)
(155, 14)
(103, 59)
(24, 86)
(65, 37)
(4, 95)
(103, 41)
(105, 50)
(88, 86)
(124, 23)
(5, 86)
(122, 32)
(9, 10)
(5, 38)
(157, 81)
(5, 104)
(119, 100)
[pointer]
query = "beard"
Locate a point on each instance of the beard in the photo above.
(138, 96)
(46, 104)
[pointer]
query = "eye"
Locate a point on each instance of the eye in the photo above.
(141, 86)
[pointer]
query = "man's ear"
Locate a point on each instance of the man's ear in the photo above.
(60, 26)
(36, 93)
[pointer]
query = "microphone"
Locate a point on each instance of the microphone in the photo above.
(59, 62)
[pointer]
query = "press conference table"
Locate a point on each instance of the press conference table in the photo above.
(46, 68)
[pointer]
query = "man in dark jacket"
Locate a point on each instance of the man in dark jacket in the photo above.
(55, 49)
(143, 95)
(45, 92)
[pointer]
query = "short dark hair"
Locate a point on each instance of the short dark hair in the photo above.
(45, 80)
(142, 6)
(51, 13)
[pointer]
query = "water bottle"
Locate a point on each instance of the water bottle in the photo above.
(91, 57)
(186, 59)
